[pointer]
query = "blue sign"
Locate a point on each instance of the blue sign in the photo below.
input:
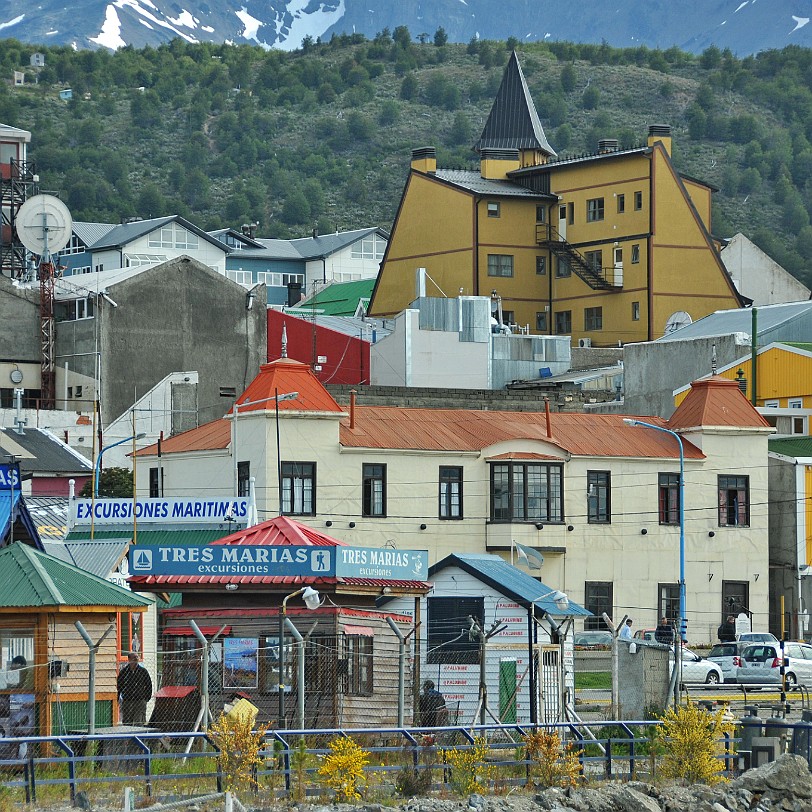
(242, 560)
(10, 477)
(387, 564)
(233, 560)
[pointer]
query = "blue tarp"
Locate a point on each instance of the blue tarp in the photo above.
(13, 508)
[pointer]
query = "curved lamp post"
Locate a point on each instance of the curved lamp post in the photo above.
(683, 619)
(312, 601)
(101, 454)
(559, 598)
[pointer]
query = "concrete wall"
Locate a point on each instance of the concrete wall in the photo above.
(783, 535)
(653, 370)
(19, 315)
(177, 316)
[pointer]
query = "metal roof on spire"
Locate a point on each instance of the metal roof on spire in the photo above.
(513, 122)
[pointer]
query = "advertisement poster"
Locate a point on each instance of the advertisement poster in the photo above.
(240, 662)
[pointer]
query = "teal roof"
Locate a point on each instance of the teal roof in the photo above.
(791, 446)
(799, 345)
(177, 538)
(512, 582)
(29, 578)
(338, 299)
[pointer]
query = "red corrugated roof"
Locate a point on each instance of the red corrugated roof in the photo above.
(208, 437)
(716, 401)
(587, 435)
(281, 530)
(282, 376)
(523, 455)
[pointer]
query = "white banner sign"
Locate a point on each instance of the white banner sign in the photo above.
(158, 511)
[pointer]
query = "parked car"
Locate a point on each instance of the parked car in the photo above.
(725, 656)
(595, 639)
(645, 634)
(698, 669)
(757, 637)
(761, 663)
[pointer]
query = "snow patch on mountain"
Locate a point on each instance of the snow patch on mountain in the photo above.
(307, 23)
(250, 24)
(800, 22)
(15, 21)
(110, 34)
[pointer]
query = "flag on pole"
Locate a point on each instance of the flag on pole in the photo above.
(533, 558)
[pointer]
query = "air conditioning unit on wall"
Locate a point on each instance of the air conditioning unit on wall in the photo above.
(584, 342)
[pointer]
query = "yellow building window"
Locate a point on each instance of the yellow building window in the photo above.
(638, 201)
(593, 318)
(500, 265)
(594, 210)
(635, 253)
(493, 209)
(621, 204)
(635, 311)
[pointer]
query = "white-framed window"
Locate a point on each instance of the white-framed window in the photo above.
(795, 403)
(370, 247)
(241, 277)
(494, 209)
(799, 425)
(75, 246)
(278, 280)
(771, 404)
(137, 260)
(173, 235)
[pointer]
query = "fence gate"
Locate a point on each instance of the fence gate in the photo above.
(550, 677)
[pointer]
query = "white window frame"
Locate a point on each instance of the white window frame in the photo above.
(795, 403)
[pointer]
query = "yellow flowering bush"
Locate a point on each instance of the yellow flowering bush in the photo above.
(554, 764)
(470, 771)
(239, 745)
(343, 768)
(692, 742)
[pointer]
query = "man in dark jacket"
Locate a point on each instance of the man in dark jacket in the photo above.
(664, 633)
(727, 631)
(135, 689)
(433, 711)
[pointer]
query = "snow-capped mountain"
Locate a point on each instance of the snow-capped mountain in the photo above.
(744, 26)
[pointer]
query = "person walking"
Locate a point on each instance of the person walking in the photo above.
(664, 633)
(433, 712)
(727, 630)
(135, 690)
(626, 631)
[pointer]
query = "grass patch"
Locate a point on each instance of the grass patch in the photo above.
(594, 679)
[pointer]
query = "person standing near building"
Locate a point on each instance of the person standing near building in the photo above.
(727, 630)
(664, 633)
(433, 712)
(135, 690)
(626, 631)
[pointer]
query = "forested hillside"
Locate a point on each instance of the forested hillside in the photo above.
(321, 137)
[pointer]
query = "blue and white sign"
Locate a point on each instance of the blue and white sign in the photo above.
(235, 559)
(258, 559)
(157, 510)
(10, 477)
(387, 564)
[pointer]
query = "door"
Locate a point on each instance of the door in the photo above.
(618, 281)
(562, 221)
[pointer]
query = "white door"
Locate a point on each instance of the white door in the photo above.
(618, 280)
(562, 220)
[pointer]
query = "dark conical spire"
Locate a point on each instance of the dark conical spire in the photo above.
(513, 122)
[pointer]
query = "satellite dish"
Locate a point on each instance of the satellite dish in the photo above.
(676, 321)
(44, 225)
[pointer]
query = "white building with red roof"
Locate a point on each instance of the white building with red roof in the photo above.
(598, 498)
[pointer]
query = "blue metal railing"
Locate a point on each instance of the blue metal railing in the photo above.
(72, 761)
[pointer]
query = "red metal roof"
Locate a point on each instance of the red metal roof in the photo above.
(208, 437)
(716, 401)
(278, 531)
(282, 376)
(587, 435)
(523, 455)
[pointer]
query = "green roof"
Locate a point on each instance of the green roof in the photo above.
(338, 299)
(791, 446)
(152, 538)
(799, 345)
(30, 578)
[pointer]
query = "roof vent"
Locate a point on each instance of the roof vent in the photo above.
(608, 145)
(491, 154)
(659, 131)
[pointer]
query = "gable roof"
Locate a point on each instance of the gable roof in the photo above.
(338, 299)
(29, 578)
(510, 581)
(209, 437)
(473, 182)
(122, 235)
(95, 557)
(14, 515)
(513, 122)
(90, 233)
(327, 244)
(45, 453)
(238, 236)
(716, 401)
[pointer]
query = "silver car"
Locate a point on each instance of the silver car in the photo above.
(761, 663)
(726, 656)
(698, 669)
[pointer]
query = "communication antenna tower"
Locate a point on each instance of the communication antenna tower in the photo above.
(44, 227)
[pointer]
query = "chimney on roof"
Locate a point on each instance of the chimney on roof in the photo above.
(547, 417)
(352, 408)
(608, 145)
(424, 159)
(660, 132)
(494, 164)
(741, 381)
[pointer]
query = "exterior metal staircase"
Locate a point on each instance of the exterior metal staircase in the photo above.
(549, 237)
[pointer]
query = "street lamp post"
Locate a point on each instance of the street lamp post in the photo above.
(275, 399)
(683, 624)
(312, 601)
(101, 454)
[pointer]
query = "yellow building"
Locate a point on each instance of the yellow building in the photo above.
(603, 247)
